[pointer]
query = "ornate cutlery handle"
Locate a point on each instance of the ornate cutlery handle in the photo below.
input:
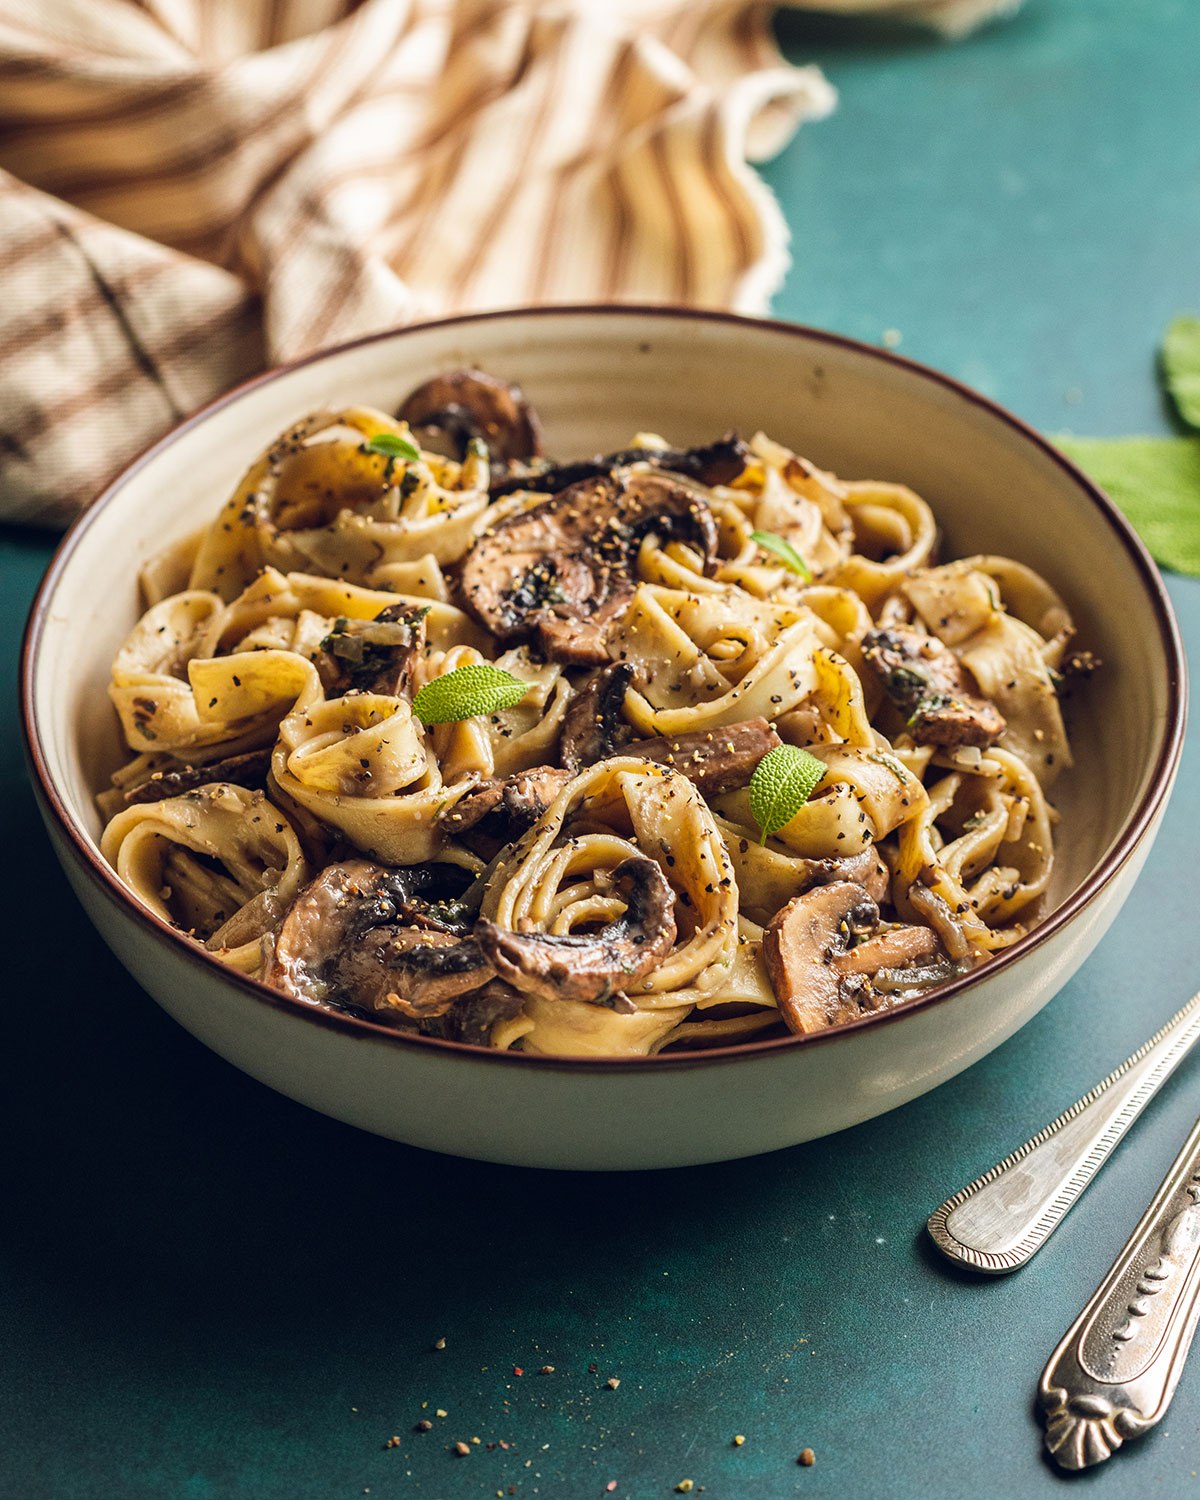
(1001, 1219)
(1114, 1373)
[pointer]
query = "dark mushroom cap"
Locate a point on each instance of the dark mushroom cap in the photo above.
(467, 403)
(866, 869)
(248, 770)
(711, 463)
(595, 967)
(931, 688)
(499, 810)
(713, 760)
(800, 945)
(820, 980)
(570, 559)
(593, 726)
(328, 948)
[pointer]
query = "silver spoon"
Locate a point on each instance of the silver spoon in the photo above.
(1114, 1373)
(1003, 1218)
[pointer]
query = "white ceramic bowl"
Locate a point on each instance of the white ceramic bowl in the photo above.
(597, 376)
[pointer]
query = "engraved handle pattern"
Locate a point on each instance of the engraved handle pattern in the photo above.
(1114, 1373)
(999, 1221)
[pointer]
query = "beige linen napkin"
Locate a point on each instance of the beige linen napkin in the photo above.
(193, 189)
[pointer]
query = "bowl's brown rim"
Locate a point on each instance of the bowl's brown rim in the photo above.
(106, 881)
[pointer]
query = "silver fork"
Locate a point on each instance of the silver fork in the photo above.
(998, 1222)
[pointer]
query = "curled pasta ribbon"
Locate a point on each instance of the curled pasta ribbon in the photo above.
(841, 619)
(792, 498)
(778, 493)
(743, 1004)
(167, 572)
(512, 739)
(361, 765)
(568, 1028)
(894, 532)
(613, 805)
(733, 659)
(675, 565)
(1027, 596)
(465, 748)
(865, 794)
(998, 860)
(220, 862)
(319, 500)
(197, 707)
(1004, 856)
(149, 686)
(275, 604)
(364, 740)
(1007, 657)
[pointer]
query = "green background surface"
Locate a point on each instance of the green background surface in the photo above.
(207, 1291)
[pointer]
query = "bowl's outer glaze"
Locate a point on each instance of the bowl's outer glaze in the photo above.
(597, 376)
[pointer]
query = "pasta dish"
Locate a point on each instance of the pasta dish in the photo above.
(672, 747)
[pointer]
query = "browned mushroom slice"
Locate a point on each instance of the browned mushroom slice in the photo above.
(468, 404)
(471, 1018)
(496, 812)
(408, 971)
(799, 947)
(374, 656)
(249, 770)
(419, 976)
(327, 947)
(596, 967)
(593, 727)
(820, 980)
(714, 760)
(897, 948)
(570, 559)
(931, 688)
(575, 642)
(866, 869)
(712, 463)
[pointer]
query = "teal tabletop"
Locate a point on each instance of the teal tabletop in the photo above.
(210, 1293)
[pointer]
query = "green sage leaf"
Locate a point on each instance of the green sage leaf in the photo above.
(784, 550)
(1181, 367)
(393, 446)
(467, 692)
(1156, 482)
(782, 783)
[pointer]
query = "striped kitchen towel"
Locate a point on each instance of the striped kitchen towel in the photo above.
(193, 189)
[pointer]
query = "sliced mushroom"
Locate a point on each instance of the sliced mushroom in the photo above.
(249, 770)
(595, 968)
(713, 463)
(897, 948)
(327, 950)
(936, 910)
(819, 979)
(466, 404)
(931, 688)
(593, 727)
(496, 812)
(424, 977)
(374, 656)
(574, 642)
(866, 869)
(472, 1018)
(714, 760)
(564, 569)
